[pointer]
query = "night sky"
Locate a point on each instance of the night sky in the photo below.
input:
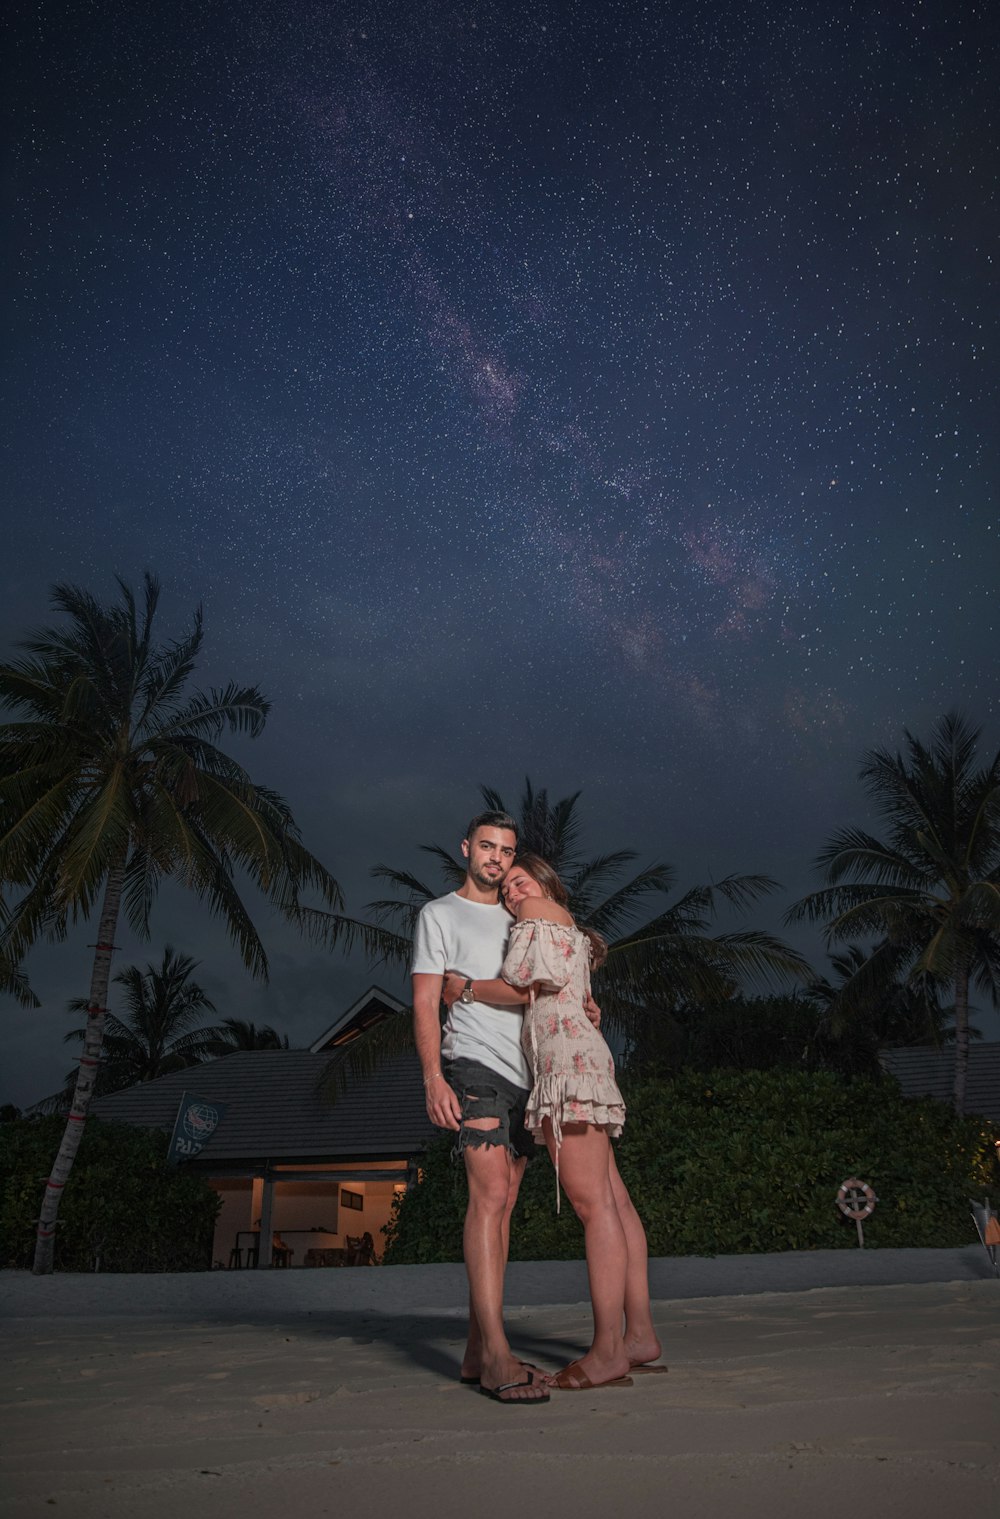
(604, 392)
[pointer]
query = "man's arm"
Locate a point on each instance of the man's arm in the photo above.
(501, 994)
(497, 993)
(443, 1107)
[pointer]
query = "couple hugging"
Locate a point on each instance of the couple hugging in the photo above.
(521, 1061)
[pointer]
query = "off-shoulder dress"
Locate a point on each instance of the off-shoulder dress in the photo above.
(571, 1066)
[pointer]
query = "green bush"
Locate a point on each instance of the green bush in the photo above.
(124, 1208)
(736, 1162)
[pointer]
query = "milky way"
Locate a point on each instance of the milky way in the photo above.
(605, 391)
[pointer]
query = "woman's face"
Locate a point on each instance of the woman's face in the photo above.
(519, 885)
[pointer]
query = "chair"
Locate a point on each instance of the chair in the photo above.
(360, 1250)
(236, 1259)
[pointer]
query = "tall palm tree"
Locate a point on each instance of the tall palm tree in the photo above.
(860, 1016)
(928, 892)
(652, 965)
(160, 1029)
(110, 780)
(548, 829)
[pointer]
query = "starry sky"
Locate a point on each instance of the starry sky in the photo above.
(600, 391)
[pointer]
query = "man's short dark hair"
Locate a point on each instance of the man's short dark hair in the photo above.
(491, 820)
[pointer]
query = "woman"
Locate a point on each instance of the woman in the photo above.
(576, 1108)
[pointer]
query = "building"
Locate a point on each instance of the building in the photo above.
(288, 1162)
(926, 1071)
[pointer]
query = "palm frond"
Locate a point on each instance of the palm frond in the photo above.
(452, 870)
(336, 931)
(853, 852)
(743, 890)
(612, 916)
(241, 709)
(368, 1053)
(14, 983)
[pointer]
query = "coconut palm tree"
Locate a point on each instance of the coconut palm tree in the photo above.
(928, 891)
(548, 829)
(860, 1016)
(160, 1029)
(111, 780)
(887, 1015)
(652, 965)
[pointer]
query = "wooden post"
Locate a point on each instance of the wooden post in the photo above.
(266, 1231)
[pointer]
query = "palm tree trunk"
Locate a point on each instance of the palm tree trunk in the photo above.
(97, 1013)
(961, 1037)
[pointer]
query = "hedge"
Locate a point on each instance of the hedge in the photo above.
(124, 1208)
(738, 1162)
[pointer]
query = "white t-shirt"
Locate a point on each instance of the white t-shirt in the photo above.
(456, 934)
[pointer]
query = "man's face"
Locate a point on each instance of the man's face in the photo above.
(490, 853)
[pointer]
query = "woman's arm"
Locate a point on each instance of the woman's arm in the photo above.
(497, 991)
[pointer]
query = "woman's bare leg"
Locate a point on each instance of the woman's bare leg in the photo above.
(586, 1178)
(641, 1342)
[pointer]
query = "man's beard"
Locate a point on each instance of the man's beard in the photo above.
(488, 883)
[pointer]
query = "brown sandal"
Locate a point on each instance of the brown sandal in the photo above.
(650, 1369)
(572, 1379)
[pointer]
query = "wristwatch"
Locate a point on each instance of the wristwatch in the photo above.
(466, 994)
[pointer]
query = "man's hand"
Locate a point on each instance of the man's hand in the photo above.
(592, 1011)
(443, 1107)
(451, 986)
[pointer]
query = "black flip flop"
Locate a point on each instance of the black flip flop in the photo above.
(474, 1381)
(495, 1394)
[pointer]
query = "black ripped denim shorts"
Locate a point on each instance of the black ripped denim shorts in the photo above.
(486, 1094)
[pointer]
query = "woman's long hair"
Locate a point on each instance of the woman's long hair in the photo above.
(541, 871)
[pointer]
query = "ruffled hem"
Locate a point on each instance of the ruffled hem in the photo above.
(609, 1116)
(575, 1099)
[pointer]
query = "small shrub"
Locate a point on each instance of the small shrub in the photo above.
(737, 1162)
(124, 1208)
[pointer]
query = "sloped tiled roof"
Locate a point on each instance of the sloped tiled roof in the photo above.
(371, 1008)
(926, 1072)
(274, 1112)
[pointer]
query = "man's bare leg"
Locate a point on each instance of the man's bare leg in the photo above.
(486, 1239)
(473, 1359)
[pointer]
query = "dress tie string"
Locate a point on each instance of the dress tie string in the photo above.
(556, 1117)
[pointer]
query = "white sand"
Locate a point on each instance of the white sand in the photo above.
(848, 1402)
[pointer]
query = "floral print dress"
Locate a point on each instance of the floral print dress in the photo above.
(571, 1065)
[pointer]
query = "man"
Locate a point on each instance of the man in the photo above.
(477, 1083)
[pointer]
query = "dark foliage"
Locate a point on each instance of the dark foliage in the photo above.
(792, 1032)
(124, 1208)
(729, 1162)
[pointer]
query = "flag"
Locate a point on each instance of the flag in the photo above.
(196, 1122)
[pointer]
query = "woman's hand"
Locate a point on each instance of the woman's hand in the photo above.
(452, 986)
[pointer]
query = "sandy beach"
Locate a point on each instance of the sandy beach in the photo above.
(271, 1394)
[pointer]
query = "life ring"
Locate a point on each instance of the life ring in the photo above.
(848, 1194)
